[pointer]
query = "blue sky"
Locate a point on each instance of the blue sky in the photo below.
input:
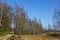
(41, 9)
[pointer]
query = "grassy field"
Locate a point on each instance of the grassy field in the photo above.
(38, 37)
(2, 34)
(33, 37)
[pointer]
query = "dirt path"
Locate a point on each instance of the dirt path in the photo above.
(5, 37)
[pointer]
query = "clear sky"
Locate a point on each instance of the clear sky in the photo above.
(41, 9)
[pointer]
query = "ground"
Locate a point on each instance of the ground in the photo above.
(38, 37)
(29, 37)
(5, 37)
(33, 37)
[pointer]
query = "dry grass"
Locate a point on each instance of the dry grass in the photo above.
(38, 37)
(33, 37)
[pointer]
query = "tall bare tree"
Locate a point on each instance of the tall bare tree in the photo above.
(5, 16)
(56, 19)
(21, 20)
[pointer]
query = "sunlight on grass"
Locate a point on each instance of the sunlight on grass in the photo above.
(2, 34)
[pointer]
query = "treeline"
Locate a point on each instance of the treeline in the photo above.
(55, 21)
(22, 24)
(19, 19)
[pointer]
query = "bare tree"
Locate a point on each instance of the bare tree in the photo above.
(56, 19)
(5, 16)
(20, 20)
